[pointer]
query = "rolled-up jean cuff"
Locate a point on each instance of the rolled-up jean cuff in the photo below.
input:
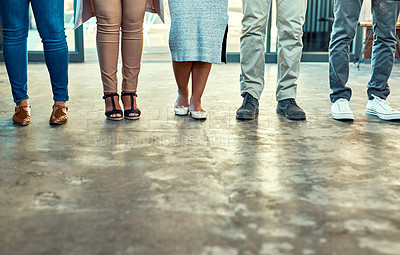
(21, 99)
(61, 99)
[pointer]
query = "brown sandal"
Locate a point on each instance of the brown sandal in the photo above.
(59, 115)
(22, 115)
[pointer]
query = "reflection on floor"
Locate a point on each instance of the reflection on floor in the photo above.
(171, 185)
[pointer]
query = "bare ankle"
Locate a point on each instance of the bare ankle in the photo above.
(23, 103)
(60, 103)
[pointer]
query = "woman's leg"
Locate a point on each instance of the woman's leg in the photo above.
(200, 73)
(109, 20)
(15, 25)
(49, 16)
(132, 46)
(182, 72)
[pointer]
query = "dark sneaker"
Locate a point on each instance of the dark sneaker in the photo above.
(249, 108)
(289, 109)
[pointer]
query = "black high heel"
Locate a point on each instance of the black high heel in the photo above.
(114, 110)
(132, 110)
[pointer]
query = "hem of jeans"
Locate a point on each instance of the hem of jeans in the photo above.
(61, 99)
(337, 98)
(22, 99)
(370, 97)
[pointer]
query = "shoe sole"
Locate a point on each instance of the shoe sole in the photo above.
(22, 125)
(181, 114)
(133, 118)
(382, 116)
(342, 116)
(247, 117)
(115, 119)
(289, 117)
(57, 123)
(197, 118)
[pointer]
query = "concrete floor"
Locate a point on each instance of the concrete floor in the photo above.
(171, 185)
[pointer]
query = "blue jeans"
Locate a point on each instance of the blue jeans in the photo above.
(49, 16)
(347, 12)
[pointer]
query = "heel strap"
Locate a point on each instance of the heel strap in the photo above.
(129, 94)
(110, 95)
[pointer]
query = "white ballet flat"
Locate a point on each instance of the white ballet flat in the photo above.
(198, 115)
(181, 111)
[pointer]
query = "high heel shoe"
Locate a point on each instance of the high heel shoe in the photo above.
(114, 110)
(132, 110)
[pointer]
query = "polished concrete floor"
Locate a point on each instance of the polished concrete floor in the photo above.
(172, 185)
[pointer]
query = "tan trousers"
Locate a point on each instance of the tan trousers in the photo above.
(290, 20)
(114, 16)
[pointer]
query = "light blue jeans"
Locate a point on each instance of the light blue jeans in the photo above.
(347, 12)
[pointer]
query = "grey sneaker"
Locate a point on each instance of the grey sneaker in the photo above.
(249, 108)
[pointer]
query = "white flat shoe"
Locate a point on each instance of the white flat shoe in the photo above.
(198, 115)
(181, 111)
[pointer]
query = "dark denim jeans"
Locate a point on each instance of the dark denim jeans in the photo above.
(49, 16)
(347, 12)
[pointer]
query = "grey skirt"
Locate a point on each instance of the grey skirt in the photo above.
(198, 30)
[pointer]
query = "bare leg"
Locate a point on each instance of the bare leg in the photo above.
(182, 72)
(200, 73)
(60, 103)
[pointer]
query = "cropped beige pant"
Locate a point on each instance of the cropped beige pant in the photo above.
(114, 16)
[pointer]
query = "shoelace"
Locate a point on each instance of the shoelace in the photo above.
(249, 101)
(383, 103)
(293, 102)
(343, 105)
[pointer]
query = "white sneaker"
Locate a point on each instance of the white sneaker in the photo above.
(380, 107)
(340, 110)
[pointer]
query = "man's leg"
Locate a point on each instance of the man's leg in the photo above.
(385, 15)
(290, 20)
(252, 46)
(347, 13)
(252, 56)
